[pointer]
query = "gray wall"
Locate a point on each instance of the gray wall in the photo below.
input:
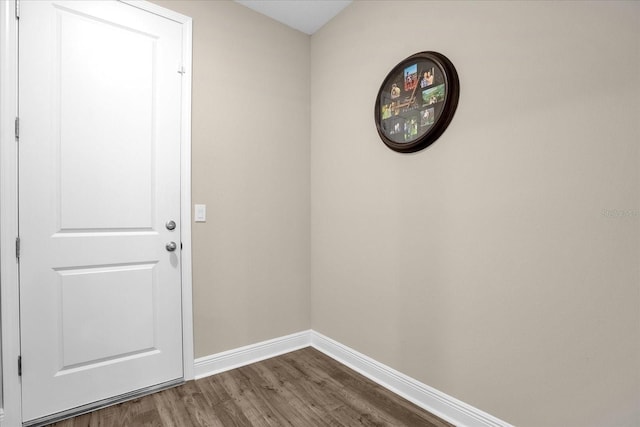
(250, 164)
(500, 265)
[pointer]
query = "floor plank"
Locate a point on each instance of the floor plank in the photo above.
(302, 388)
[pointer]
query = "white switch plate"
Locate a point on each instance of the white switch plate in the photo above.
(200, 213)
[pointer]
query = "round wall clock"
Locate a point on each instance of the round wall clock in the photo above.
(417, 101)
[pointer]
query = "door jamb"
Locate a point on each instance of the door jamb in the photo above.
(11, 412)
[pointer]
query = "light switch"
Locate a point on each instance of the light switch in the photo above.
(200, 213)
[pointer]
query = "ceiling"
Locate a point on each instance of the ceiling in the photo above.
(307, 16)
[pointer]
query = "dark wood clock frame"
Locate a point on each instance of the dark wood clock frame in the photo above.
(416, 102)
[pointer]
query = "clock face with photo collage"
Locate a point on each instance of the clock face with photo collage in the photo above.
(416, 102)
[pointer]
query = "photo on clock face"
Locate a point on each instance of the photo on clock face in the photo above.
(433, 95)
(394, 126)
(385, 111)
(389, 110)
(395, 91)
(427, 117)
(411, 128)
(410, 77)
(427, 77)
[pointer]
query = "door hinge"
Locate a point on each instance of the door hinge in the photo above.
(18, 247)
(19, 366)
(17, 128)
(17, 9)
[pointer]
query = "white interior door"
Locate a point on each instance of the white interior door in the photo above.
(100, 294)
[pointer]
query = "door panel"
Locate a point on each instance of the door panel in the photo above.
(92, 139)
(123, 298)
(99, 177)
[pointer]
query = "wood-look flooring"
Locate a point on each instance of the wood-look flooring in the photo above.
(302, 388)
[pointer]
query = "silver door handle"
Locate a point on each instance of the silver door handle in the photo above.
(171, 225)
(171, 246)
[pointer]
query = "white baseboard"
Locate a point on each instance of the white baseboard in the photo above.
(428, 398)
(231, 359)
(434, 401)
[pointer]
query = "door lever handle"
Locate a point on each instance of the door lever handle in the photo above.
(171, 246)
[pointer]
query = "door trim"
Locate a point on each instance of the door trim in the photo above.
(11, 412)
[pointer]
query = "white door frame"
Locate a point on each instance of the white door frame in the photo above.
(11, 392)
